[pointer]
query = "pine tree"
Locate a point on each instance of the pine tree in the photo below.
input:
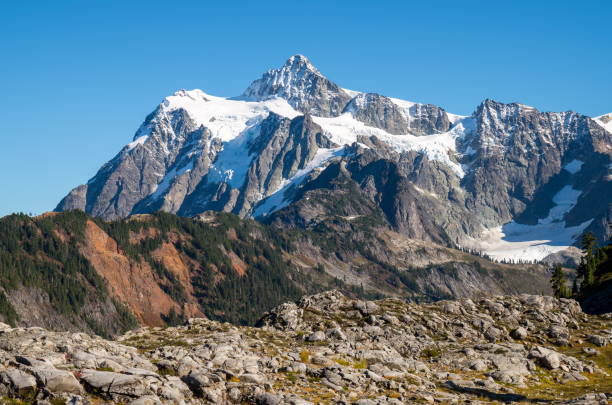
(588, 262)
(585, 272)
(558, 282)
(575, 288)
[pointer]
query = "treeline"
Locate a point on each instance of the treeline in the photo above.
(223, 293)
(43, 253)
(480, 253)
(594, 271)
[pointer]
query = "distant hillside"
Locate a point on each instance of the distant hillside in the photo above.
(70, 271)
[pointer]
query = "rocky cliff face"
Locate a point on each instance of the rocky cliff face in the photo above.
(516, 151)
(282, 148)
(398, 117)
(501, 180)
(328, 348)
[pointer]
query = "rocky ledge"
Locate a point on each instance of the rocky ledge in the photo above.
(327, 348)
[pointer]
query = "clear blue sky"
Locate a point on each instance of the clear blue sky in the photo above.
(77, 78)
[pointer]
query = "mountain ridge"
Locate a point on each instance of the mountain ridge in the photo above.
(194, 153)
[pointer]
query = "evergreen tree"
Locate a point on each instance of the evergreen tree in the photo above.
(588, 263)
(575, 288)
(558, 282)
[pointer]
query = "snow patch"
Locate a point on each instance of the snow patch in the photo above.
(406, 105)
(564, 201)
(455, 118)
(426, 192)
(169, 178)
(140, 140)
(402, 103)
(278, 200)
(514, 241)
(233, 161)
(605, 121)
(345, 129)
(534, 242)
(574, 166)
(352, 93)
(225, 117)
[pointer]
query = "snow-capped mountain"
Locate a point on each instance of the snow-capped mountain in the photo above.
(297, 149)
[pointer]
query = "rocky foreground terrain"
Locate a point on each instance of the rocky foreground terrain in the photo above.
(327, 348)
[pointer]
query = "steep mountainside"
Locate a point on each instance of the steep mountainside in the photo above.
(510, 180)
(69, 271)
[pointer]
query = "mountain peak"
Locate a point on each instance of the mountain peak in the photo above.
(298, 63)
(294, 77)
(302, 85)
(490, 104)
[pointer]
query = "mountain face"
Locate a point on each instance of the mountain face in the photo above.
(296, 149)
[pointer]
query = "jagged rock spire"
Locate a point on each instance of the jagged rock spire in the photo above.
(300, 83)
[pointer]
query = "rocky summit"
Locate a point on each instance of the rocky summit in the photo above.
(327, 348)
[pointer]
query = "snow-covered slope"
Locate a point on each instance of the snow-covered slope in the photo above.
(226, 118)
(605, 121)
(345, 129)
(514, 241)
(235, 122)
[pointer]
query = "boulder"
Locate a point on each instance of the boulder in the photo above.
(253, 378)
(492, 333)
(17, 380)
(551, 361)
(598, 340)
(115, 384)
(57, 381)
(317, 336)
(267, 398)
(197, 381)
(519, 333)
(546, 357)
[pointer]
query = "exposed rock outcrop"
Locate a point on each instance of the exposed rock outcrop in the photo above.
(329, 348)
(303, 86)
